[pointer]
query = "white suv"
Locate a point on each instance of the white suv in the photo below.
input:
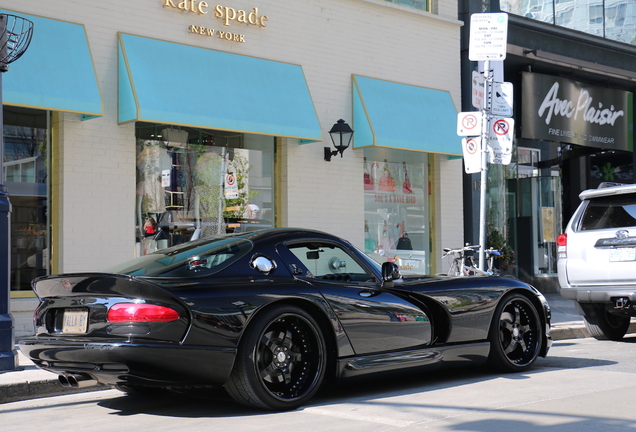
(597, 259)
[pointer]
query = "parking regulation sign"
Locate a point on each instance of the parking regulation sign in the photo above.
(502, 96)
(471, 148)
(469, 123)
(500, 135)
(488, 36)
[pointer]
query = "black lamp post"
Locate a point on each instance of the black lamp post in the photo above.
(15, 37)
(341, 134)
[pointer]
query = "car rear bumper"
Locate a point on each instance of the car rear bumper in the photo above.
(133, 363)
(599, 294)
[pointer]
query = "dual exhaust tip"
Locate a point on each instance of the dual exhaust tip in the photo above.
(76, 380)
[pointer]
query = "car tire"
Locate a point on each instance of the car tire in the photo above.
(281, 360)
(606, 326)
(516, 334)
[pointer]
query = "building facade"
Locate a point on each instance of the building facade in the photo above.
(132, 126)
(571, 65)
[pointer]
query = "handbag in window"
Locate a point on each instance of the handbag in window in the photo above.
(406, 186)
(387, 182)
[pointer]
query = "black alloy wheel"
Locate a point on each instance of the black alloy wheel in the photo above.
(281, 360)
(516, 334)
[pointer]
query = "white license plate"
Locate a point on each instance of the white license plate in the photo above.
(75, 321)
(622, 254)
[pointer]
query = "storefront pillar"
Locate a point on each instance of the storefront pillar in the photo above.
(8, 354)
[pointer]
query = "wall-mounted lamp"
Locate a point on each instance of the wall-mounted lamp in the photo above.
(341, 134)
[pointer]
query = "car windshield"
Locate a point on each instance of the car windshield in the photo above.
(614, 211)
(197, 258)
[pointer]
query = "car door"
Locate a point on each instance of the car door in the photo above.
(374, 319)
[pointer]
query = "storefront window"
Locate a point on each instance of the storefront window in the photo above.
(194, 183)
(25, 169)
(417, 4)
(396, 209)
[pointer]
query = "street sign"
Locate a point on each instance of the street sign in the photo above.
(501, 99)
(500, 135)
(488, 36)
(231, 186)
(469, 123)
(478, 87)
(471, 148)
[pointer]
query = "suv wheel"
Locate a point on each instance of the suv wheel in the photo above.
(606, 326)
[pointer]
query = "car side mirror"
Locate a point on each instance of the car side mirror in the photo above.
(390, 272)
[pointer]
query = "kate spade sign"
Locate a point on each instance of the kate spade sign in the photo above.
(226, 16)
(558, 109)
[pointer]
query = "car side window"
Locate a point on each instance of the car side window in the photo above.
(330, 262)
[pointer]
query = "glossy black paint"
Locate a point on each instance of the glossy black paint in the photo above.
(369, 325)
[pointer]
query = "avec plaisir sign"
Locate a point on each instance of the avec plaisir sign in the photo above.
(559, 109)
(225, 15)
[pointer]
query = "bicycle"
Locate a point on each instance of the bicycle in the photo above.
(463, 263)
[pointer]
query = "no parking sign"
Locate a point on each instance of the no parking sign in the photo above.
(500, 135)
(231, 186)
(472, 154)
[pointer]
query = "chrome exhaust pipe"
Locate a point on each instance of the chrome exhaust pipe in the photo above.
(77, 380)
(63, 380)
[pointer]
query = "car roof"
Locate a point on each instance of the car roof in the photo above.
(606, 189)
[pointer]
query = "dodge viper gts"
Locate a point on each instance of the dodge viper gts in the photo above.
(271, 315)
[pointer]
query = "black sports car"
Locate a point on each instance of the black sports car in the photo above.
(272, 314)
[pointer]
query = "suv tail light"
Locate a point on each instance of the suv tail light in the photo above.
(562, 246)
(141, 312)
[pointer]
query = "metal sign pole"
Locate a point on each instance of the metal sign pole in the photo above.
(484, 164)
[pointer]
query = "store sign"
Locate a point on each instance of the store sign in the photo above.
(558, 109)
(226, 16)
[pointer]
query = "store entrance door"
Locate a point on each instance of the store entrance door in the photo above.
(537, 223)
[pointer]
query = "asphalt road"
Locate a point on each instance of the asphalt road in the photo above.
(583, 385)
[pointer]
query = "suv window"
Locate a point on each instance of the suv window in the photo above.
(614, 211)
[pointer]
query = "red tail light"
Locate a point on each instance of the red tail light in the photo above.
(562, 240)
(141, 312)
(562, 246)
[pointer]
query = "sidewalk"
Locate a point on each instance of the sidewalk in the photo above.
(29, 382)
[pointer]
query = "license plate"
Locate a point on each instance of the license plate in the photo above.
(622, 254)
(75, 321)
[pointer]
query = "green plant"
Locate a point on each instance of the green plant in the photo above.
(496, 240)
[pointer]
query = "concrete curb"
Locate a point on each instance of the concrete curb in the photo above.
(560, 331)
(39, 389)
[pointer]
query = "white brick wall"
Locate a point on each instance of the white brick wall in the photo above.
(94, 173)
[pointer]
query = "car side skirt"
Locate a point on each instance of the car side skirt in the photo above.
(451, 355)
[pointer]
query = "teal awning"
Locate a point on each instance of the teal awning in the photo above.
(164, 82)
(56, 72)
(392, 115)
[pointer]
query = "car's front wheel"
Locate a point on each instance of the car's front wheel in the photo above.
(605, 326)
(281, 360)
(516, 334)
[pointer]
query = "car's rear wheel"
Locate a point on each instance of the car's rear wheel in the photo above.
(606, 326)
(281, 360)
(515, 334)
